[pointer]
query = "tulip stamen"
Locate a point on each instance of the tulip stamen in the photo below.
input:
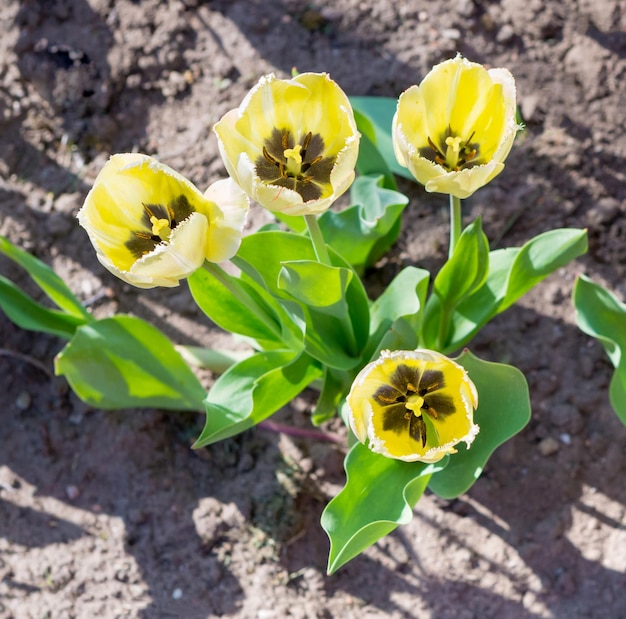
(300, 166)
(411, 395)
(456, 155)
(159, 221)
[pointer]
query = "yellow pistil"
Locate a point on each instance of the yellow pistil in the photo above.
(161, 228)
(415, 403)
(294, 159)
(452, 152)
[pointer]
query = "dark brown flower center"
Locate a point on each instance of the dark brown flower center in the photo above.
(409, 394)
(452, 151)
(158, 221)
(300, 165)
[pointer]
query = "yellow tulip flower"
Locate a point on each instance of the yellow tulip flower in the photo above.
(151, 227)
(454, 131)
(413, 405)
(292, 145)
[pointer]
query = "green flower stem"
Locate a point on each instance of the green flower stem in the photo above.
(242, 296)
(317, 239)
(456, 223)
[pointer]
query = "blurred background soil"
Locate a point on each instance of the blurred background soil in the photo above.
(111, 514)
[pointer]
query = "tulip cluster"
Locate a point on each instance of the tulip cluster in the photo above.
(294, 146)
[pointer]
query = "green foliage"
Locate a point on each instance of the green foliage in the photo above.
(512, 273)
(285, 265)
(466, 270)
(462, 275)
(379, 495)
(503, 410)
(26, 313)
(49, 282)
(374, 116)
(124, 362)
(602, 316)
(253, 389)
(396, 314)
(366, 230)
(241, 307)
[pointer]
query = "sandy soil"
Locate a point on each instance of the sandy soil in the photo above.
(111, 514)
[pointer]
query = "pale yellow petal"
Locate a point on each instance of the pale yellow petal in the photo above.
(464, 183)
(460, 101)
(374, 418)
(176, 260)
(308, 106)
(228, 206)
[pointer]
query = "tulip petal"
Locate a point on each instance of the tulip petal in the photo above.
(292, 145)
(413, 405)
(227, 219)
(150, 226)
(456, 128)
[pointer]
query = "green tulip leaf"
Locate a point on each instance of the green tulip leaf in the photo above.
(503, 410)
(379, 495)
(238, 306)
(512, 273)
(602, 316)
(330, 335)
(317, 285)
(462, 275)
(252, 390)
(51, 284)
(364, 232)
(26, 313)
(124, 362)
(466, 271)
(396, 314)
(335, 385)
(335, 342)
(380, 111)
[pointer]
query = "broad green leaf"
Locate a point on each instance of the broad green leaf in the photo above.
(602, 316)
(238, 306)
(26, 313)
(379, 495)
(326, 338)
(370, 159)
(475, 311)
(540, 257)
(296, 223)
(317, 285)
(401, 302)
(213, 359)
(254, 389)
(466, 270)
(503, 410)
(329, 341)
(512, 273)
(46, 279)
(365, 231)
(323, 292)
(463, 274)
(380, 112)
(261, 255)
(124, 362)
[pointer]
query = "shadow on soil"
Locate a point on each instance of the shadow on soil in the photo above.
(183, 511)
